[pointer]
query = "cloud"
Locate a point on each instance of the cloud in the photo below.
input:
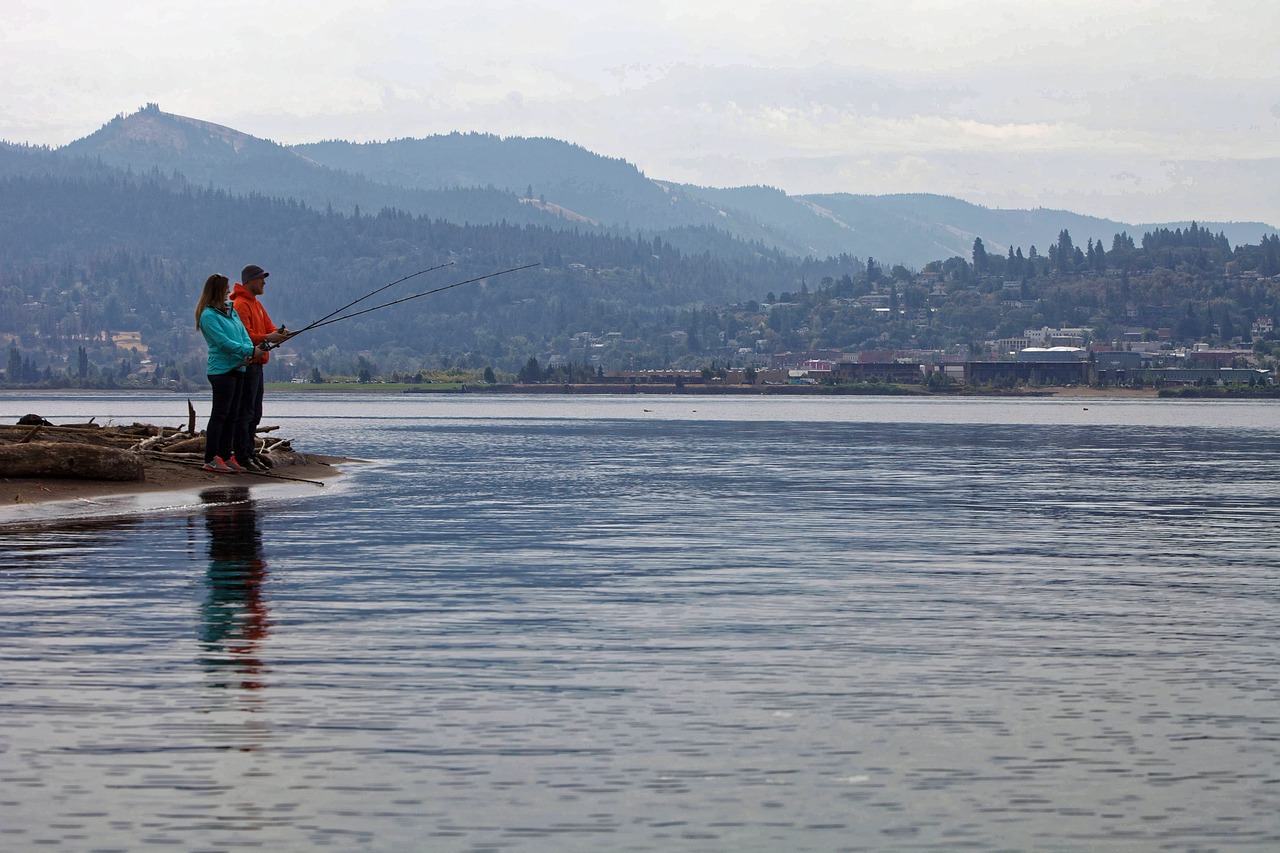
(1033, 100)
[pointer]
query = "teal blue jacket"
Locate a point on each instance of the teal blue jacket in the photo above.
(229, 343)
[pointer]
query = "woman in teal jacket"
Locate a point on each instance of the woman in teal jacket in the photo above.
(229, 351)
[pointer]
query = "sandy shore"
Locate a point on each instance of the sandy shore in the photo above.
(162, 476)
(168, 485)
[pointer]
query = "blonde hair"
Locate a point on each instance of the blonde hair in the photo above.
(214, 293)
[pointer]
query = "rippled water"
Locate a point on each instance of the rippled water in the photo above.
(664, 624)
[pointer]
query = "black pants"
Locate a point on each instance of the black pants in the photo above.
(220, 435)
(250, 412)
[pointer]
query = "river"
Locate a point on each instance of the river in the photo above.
(662, 623)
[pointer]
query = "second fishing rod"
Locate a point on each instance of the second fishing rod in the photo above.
(370, 295)
(329, 319)
(269, 345)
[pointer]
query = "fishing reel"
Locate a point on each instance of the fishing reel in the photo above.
(267, 346)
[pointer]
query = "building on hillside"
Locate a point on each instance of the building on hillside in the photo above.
(1203, 357)
(1065, 337)
(1010, 345)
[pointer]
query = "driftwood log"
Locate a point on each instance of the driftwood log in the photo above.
(91, 451)
(189, 445)
(69, 460)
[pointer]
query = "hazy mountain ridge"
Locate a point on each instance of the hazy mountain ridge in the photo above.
(208, 154)
(477, 177)
(596, 188)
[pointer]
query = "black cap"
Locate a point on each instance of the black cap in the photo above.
(253, 271)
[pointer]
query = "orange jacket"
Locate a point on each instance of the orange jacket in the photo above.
(254, 316)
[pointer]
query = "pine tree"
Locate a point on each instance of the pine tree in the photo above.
(979, 256)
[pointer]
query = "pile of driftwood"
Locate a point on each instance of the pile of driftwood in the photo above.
(33, 447)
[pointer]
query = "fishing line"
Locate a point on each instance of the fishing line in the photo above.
(372, 293)
(419, 296)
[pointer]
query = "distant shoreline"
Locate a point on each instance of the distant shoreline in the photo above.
(643, 389)
(647, 389)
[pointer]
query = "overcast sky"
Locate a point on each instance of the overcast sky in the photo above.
(1137, 110)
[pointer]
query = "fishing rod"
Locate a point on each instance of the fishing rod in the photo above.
(268, 474)
(267, 346)
(418, 296)
(372, 293)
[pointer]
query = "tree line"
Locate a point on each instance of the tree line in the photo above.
(89, 255)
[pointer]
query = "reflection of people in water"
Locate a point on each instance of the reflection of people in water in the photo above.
(235, 614)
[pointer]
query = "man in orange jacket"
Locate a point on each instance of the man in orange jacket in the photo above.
(244, 298)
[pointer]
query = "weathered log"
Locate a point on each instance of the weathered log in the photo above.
(51, 435)
(187, 445)
(69, 460)
(165, 456)
(148, 443)
(57, 428)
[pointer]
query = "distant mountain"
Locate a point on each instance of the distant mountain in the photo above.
(480, 178)
(208, 154)
(586, 186)
(582, 186)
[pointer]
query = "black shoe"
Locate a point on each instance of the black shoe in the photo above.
(256, 466)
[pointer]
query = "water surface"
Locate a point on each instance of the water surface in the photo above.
(664, 624)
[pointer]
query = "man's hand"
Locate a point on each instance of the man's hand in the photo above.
(277, 337)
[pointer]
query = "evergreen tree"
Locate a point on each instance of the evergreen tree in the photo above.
(980, 262)
(873, 271)
(1270, 265)
(531, 372)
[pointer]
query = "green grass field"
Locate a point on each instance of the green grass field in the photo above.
(364, 387)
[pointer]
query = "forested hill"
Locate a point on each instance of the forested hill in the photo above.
(210, 155)
(107, 251)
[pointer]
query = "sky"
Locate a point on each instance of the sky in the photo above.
(1141, 111)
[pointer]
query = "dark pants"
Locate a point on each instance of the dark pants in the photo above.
(250, 413)
(220, 435)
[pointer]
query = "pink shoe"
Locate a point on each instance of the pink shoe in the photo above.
(235, 466)
(218, 466)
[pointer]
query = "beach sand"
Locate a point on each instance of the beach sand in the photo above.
(168, 485)
(161, 476)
